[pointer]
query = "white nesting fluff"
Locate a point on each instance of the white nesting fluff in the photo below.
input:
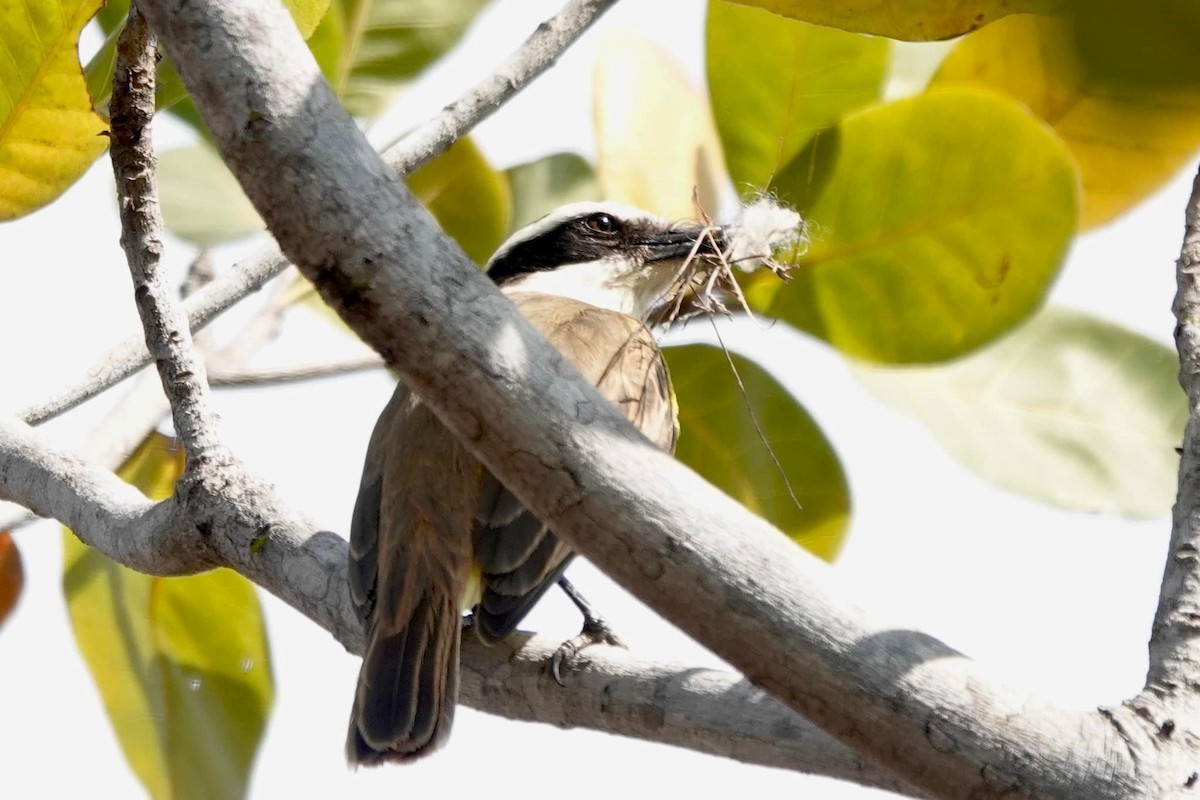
(763, 227)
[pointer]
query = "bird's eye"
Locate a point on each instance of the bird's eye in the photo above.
(601, 223)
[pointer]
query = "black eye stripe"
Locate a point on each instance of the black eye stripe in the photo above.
(572, 241)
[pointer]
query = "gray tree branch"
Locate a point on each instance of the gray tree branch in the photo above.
(611, 690)
(735, 583)
(1167, 710)
(247, 527)
(1175, 641)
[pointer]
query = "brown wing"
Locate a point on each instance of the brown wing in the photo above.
(520, 558)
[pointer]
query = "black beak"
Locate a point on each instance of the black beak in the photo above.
(682, 242)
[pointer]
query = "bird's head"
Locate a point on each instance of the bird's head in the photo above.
(606, 254)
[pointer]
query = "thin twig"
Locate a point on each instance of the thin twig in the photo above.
(262, 328)
(532, 58)
(535, 55)
(166, 328)
(235, 378)
(130, 355)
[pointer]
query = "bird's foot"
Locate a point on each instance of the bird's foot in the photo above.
(595, 631)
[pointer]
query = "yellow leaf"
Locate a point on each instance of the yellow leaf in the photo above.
(911, 20)
(655, 138)
(1128, 138)
(467, 196)
(182, 664)
(49, 134)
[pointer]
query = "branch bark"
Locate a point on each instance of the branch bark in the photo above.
(897, 696)
(168, 338)
(611, 690)
(1175, 642)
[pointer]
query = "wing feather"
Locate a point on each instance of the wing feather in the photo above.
(521, 558)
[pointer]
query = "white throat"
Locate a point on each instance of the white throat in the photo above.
(603, 284)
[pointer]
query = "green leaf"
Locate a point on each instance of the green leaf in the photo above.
(1068, 409)
(327, 42)
(12, 575)
(469, 199)
(1127, 138)
(805, 78)
(182, 664)
(202, 202)
(656, 145)
(939, 223)
(719, 440)
(539, 187)
(388, 42)
(49, 134)
(911, 20)
(1150, 43)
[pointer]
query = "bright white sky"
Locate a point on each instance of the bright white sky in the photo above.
(1053, 602)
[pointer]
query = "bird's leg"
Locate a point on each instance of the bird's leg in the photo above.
(595, 631)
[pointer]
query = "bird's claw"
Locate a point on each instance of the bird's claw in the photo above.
(595, 631)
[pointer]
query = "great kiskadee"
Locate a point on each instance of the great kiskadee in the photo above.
(434, 534)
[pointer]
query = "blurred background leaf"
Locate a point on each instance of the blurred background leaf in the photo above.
(718, 439)
(539, 187)
(1151, 43)
(12, 575)
(202, 202)
(910, 20)
(1128, 138)
(1068, 409)
(182, 664)
(386, 43)
(940, 222)
(804, 78)
(49, 134)
(655, 140)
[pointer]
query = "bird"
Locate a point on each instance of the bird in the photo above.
(434, 535)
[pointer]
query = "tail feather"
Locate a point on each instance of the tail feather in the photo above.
(407, 687)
